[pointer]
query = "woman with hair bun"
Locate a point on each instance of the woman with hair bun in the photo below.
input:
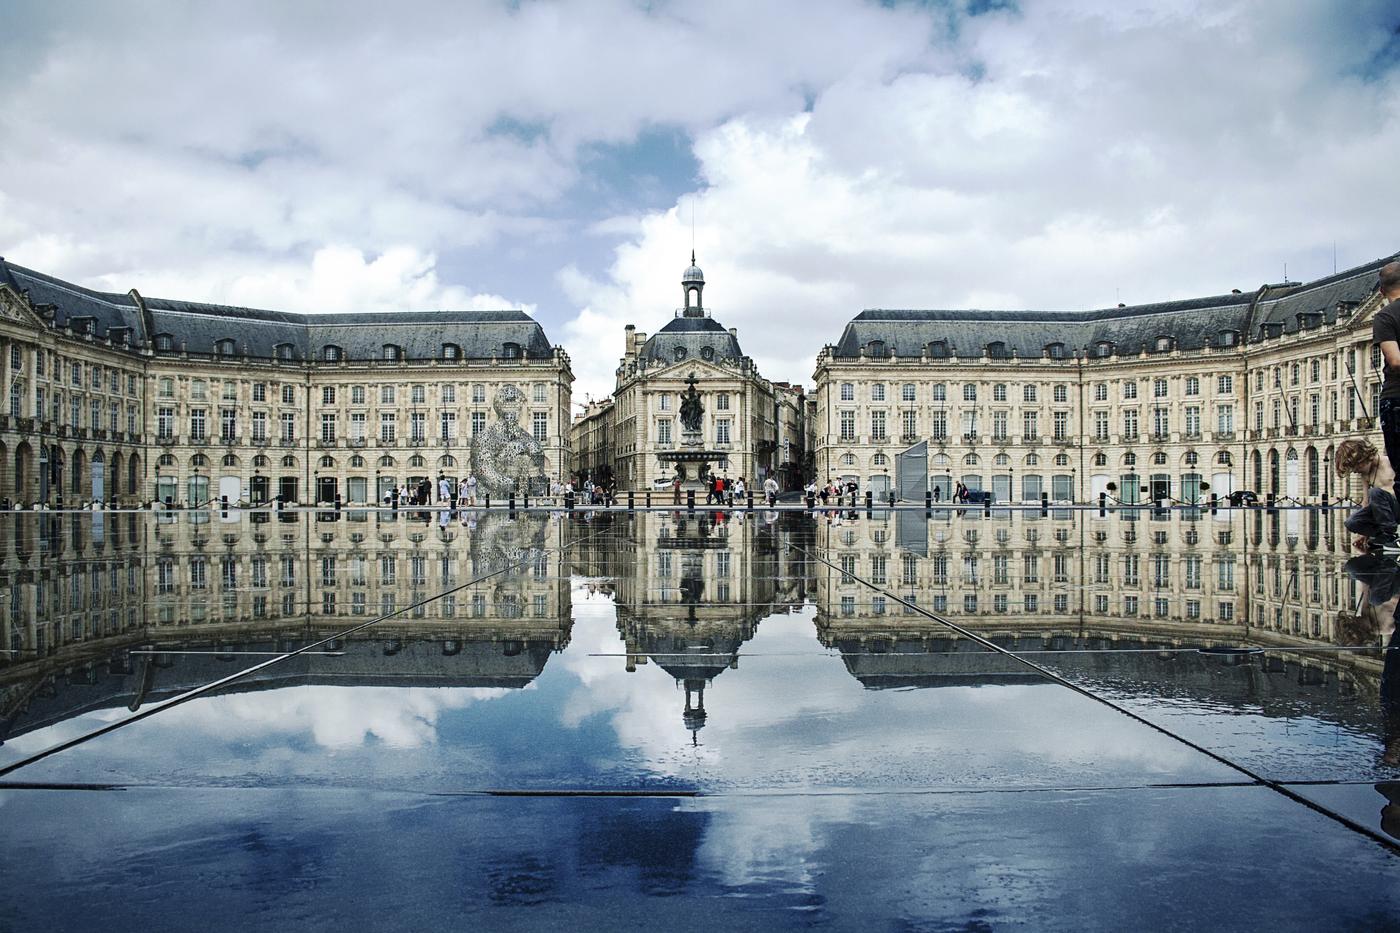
(1375, 522)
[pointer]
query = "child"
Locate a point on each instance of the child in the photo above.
(1375, 522)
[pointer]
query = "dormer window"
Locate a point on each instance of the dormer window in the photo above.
(938, 349)
(680, 353)
(165, 342)
(450, 351)
(1164, 344)
(1227, 338)
(997, 350)
(284, 352)
(330, 353)
(707, 353)
(390, 352)
(876, 348)
(1103, 349)
(1055, 351)
(511, 351)
(225, 347)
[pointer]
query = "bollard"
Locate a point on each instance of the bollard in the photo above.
(1324, 500)
(1269, 501)
(986, 506)
(223, 506)
(1044, 504)
(338, 503)
(690, 499)
(279, 503)
(569, 501)
(869, 499)
(631, 501)
(811, 500)
(648, 498)
(750, 498)
(488, 500)
(1214, 503)
(527, 500)
(512, 502)
(928, 499)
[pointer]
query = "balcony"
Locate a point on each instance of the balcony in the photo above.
(323, 443)
(358, 442)
(165, 440)
(1224, 436)
(287, 442)
(1160, 437)
(260, 442)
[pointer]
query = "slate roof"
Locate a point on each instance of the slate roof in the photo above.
(694, 334)
(196, 327)
(1191, 323)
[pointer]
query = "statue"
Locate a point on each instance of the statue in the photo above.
(505, 458)
(691, 409)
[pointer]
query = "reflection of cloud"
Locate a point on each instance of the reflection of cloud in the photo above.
(334, 717)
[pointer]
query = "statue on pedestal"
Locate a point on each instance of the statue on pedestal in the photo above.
(691, 408)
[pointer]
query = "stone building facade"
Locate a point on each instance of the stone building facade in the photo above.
(1168, 401)
(740, 419)
(122, 397)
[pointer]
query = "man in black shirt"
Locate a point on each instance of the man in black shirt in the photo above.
(1385, 332)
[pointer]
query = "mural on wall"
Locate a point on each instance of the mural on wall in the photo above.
(505, 457)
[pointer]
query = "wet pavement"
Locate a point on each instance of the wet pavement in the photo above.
(877, 720)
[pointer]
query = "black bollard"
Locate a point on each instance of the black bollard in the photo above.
(488, 500)
(512, 502)
(569, 501)
(338, 503)
(648, 498)
(1269, 501)
(811, 500)
(690, 499)
(1044, 504)
(750, 498)
(223, 506)
(928, 499)
(869, 499)
(527, 500)
(986, 506)
(1324, 500)
(279, 503)
(1214, 504)
(631, 501)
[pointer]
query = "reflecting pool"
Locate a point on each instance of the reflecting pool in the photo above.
(861, 719)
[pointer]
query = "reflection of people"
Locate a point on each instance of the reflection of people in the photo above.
(1375, 522)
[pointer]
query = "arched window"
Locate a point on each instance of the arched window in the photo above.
(1227, 338)
(260, 460)
(879, 460)
(1130, 459)
(511, 351)
(386, 461)
(225, 347)
(357, 462)
(848, 459)
(199, 460)
(390, 352)
(1032, 460)
(331, 353)
(165, 460)
(1100, 459)
(938, 349)
(1191, 459)
(327, 462)
(1001, 460)
(289, 461)
(285, 352)
(970, 460)
(450, 351)
(416, 461)
(1055, 351)
(447, 460)
(165, 342)
(230, 460)
(1223, 458)
(1163, 344)
(876, 348)
(1103, 349)
(1159, 459)
(997, 350)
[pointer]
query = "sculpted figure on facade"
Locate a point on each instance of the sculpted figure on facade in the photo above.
(505, 457)
(691, 407)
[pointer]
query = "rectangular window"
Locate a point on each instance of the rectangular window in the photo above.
(328, 428)
(1129, 389)
(877, 392)
(1100, 425)
(999, 392)
(1030, 425)
(447, 425)
(877, 426)
(289, 395)
(906, 392)
(1028, 393)
(722, 402)
(539, 392)
(230, 392)
(1101, 391)
(416, 426)
(665, 401)
(1225, 419)
(1159, 388)
(848, 392)
(999, 425)
(228, 424)
(131, 419)
(449, 394)
(939, 424)
(386, 395)
(940, 392)
(722, 431)
(417, 395)
(259, 391)
(1061, 428)
(357, 426)
(259, 425)
(289, 426)
(663, 431)
(478, 422)
(969, 392)
(1193, 420)
(848, 425)
(478, 394)
(328, 395)
(539, 426)
(1061, 393)
(909, 421)
(387, 427)
(1130, 424)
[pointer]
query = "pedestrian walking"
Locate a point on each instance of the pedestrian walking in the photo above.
(770, 491)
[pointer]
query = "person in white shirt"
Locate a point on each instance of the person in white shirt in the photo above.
(770, 489)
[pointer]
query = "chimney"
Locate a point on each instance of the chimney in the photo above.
(629, 344)
(1234, 291)
(734, 332)
(1121, 305)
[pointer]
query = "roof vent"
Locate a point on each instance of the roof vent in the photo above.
(1121, 305)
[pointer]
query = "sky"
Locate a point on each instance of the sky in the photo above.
(828, 155)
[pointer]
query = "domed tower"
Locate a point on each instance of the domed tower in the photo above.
(693, 284)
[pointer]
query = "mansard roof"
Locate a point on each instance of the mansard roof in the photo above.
(197, 327)
(1187, 324)
(694, 334)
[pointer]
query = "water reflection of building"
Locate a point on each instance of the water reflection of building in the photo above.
(694, 587)
(84, 591)
(1138, 579)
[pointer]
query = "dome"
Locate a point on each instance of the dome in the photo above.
(693, 274)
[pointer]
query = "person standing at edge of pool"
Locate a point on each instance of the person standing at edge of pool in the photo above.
(1385, 333)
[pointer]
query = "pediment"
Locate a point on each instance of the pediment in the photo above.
(14, 308)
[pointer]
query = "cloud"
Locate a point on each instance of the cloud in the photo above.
(1052, 158)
